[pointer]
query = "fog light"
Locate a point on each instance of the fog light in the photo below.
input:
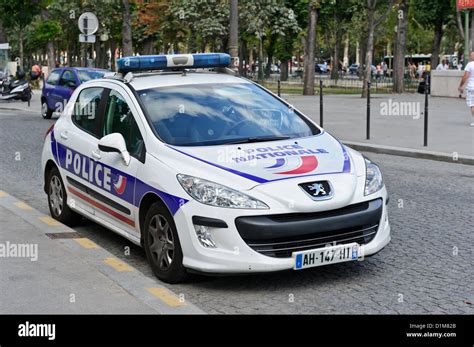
(204, 236)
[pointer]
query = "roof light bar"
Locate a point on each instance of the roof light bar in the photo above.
(173, 61)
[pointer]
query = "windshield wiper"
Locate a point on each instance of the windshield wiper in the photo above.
(257, 139)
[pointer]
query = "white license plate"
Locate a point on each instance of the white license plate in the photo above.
(325, 256)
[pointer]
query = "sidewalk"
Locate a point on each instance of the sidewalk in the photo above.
(345, 118)
(35, 104)
(64, 273)
(449, 133)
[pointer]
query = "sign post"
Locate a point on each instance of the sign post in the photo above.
(88, 25)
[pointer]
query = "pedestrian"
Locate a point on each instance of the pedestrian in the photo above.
(385, 69)
(35, 71)
(467, 83)
(421, 69)
(412, 69)
(378, 70)
(441, 66)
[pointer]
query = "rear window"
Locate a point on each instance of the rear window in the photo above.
(86, 75)
(53, 77)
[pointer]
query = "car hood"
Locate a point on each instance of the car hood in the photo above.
(244, 166)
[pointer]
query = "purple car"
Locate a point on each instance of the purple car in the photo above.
(60, 85)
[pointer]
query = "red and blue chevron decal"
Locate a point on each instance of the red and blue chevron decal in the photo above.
(308, 163)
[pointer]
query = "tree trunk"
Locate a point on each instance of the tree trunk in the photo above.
(50, 51)
(127, 44)
(372, 24)
(98, 53)
(3, 36)
(243, 61)
(335, 61)
(260, 58)
(234, 32)
(437, 44)
(284, 70)
(113, 47)
(400, 47)
(308, 73)
(345, 60)
(472, 31)
(368, 51)
(20, 45)
(270, 52)
(149, 46)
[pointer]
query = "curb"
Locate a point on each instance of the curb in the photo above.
(148, 290)
(411, 153)
(13, 108)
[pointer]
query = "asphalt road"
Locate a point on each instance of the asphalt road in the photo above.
(427, 268)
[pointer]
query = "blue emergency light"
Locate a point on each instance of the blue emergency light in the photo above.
(172, 62)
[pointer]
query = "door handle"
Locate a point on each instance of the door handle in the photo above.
(64, 135)
(96, 154)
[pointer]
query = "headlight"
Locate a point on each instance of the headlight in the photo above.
(214, 194)
(373, 178)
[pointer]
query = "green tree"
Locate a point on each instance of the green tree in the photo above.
(434, 14)
(16, 15)
(376, 12)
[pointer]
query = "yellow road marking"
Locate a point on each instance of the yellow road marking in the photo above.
(50, 221)
(23, 206)
(2, 194)
(118, 265)
(86, 243)
(166, 296)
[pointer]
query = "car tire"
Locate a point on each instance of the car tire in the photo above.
(162, 246)
(46, 112)
(57, 200)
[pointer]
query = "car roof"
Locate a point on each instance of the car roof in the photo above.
(154, 80)
(62, 68)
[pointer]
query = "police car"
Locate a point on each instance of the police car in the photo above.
(210, 172)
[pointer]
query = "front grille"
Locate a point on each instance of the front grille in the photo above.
(284, 249)
(281, 235)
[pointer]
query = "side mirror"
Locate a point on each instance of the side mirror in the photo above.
(71, 84)
(115, 143)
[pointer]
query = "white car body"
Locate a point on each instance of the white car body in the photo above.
(271, 181)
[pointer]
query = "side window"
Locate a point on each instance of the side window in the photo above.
(53, 77)
(67, 79)
(119, 119)
(85, 114)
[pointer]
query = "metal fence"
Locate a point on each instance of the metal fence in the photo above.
(346, 82)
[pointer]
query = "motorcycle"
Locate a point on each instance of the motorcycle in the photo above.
(18, 89)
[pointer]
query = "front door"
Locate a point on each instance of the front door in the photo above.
(119, 117)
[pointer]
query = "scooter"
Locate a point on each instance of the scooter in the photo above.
(19, 89)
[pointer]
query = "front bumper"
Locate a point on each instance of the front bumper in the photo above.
(263, 242)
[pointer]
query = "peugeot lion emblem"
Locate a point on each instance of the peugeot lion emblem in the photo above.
(320, 190)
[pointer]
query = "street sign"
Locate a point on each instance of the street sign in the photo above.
(88, 23)
(86, 38)
(465, 4)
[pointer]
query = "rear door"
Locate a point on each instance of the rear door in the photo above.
(77, 138)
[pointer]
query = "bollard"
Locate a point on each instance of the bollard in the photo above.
(368, 110)
(427, 90)
(321, 103)
(279, 90)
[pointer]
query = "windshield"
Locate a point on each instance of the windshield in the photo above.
(204, 114)
(87, 75)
